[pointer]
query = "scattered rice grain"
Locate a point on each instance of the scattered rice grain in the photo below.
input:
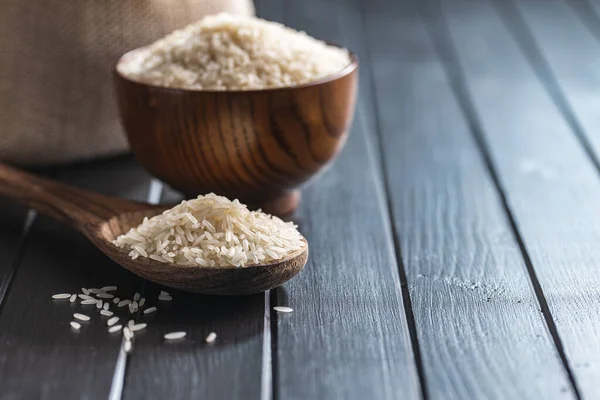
(283, 309)
(138, 327)
(150, 310)
(107, 313)
(123, 303)
(73, 298)
(75, 325)
(175, 335)
(81, 317)
(112, 321)
(127, 333)
(61, 296)
(211, 337)
(115, 328)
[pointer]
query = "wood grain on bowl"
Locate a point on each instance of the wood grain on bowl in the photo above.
(258, 146)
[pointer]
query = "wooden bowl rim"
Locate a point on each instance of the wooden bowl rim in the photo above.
(347, 70)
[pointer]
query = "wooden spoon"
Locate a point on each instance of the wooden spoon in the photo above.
(102, 219)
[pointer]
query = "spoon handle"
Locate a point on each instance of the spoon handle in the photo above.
(64, 203)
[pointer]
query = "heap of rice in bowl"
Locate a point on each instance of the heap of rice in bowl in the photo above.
(212, 231)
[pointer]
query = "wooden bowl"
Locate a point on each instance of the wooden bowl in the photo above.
(258, 146)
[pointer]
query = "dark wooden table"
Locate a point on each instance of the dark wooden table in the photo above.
(454, 244)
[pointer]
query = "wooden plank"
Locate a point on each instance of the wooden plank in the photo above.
(589, 11)
(40, 355)
(570, 56)
(348, 336)
(550, 185)
(479, 328)
(230, 368)
(12, 234)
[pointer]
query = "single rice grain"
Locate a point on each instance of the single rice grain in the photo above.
(211, 337)
(81, 317)
(175, 335)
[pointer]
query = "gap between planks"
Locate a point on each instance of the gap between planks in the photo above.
(437, 27)
(382, 186)
(5, 285)
(516, 25)
(116, 387)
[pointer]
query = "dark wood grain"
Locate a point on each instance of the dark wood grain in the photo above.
(347, 337)
(40, 356)
(257, 146)
(551, 186)
(571, 55)
(479, 328)
(12, 235)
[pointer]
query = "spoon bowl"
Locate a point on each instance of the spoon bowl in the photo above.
(102, 219)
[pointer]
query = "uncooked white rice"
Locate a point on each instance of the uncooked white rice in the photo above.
(81, 317)
(136, 297)
(86, 297)
(61, 296)
(75, 325)
(95, 291)
(165, 298)
(73, 298)
(211, 337)
(107, 313)
(175, 335)
(163, 293)
(112, 321)
(142, 301)
(150, 310)
(85, 291)
(106, 306)
(283, 309)
(115, 328)
(99, 304)
(86, 302)
(105, 296)
(123, 303)
(109, 288)
(116, 300)
(231, 52)
(214, 231)
(127, 346)
(127, 333)
(138, 327)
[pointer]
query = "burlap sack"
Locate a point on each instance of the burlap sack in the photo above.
(56, 61)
